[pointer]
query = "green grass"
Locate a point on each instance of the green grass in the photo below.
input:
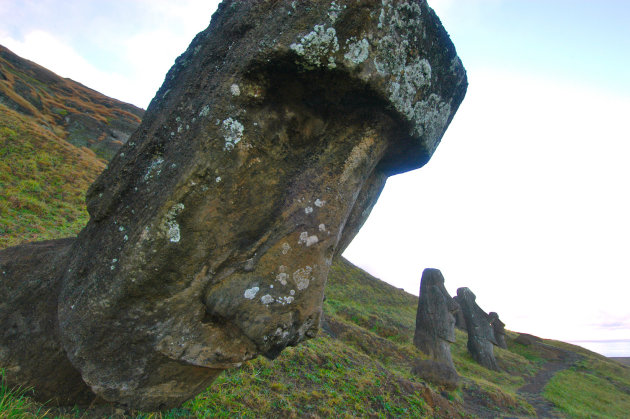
(43, 180)
(322, 377)
(15, 403)
(595, 388)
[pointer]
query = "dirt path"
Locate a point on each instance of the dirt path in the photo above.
(478, 405)
(532, 391)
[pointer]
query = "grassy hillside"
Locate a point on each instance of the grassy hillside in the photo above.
(43, 180)
(358, 366)
(71, 111)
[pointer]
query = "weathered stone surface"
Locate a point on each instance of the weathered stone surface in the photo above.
(30, 350)
(460, 321)
(498, 328)
(213, 229)
(480, 334)
(435, 323)
(437, 373)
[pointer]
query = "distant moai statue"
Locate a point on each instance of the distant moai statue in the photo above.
(498, 327)
(435, 330)
(480, 333)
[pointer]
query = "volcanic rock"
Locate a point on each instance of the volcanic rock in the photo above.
(213, 228)
(435, 330)
(31, 353)
(498, 328)
(435, 323)
(437, 373)
(480, 334)
(460, 321)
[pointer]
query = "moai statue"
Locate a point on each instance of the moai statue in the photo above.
(498, 327)
(212, 230)
(435, 329)
(480, 334)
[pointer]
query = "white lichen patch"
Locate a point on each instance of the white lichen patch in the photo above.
(319, 203)
(399, 15)
(318, 46)
(285, 300)
(322, 228)
(285, 248)
(431, 117)
(266, 299)
(358, 51)
(232, 131)
(235, 90)
(282, 275)
(217, 179)
(172, 228)
(155, 168)
(308, 210)
(334, 11)
(307, 240)
(251, 293)
(409, 75)
(405, 86)
(205, 111)
(302, 277)
(292, 292)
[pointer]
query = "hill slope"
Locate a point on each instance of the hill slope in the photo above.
(358, 366)
(73, 112)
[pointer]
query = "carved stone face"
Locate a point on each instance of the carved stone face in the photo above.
(213, 230)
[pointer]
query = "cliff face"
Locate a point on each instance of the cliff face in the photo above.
(80, 115)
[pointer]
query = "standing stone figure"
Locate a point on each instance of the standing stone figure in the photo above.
(213, 229)
(498, 327)
(480, 334)
(435, 328)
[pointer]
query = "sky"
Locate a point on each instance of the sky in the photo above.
(526, 200)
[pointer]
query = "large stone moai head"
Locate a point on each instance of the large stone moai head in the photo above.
(480, 335)
(435, 319)
(435, 330)
(260, 157)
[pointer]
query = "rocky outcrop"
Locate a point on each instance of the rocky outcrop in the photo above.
(480, 334)
(435, 323)
(437, 373)
(213, 229)
(498, 329)
(435, 328)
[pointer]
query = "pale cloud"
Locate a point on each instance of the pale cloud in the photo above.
(122, 48)
(48, 51)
